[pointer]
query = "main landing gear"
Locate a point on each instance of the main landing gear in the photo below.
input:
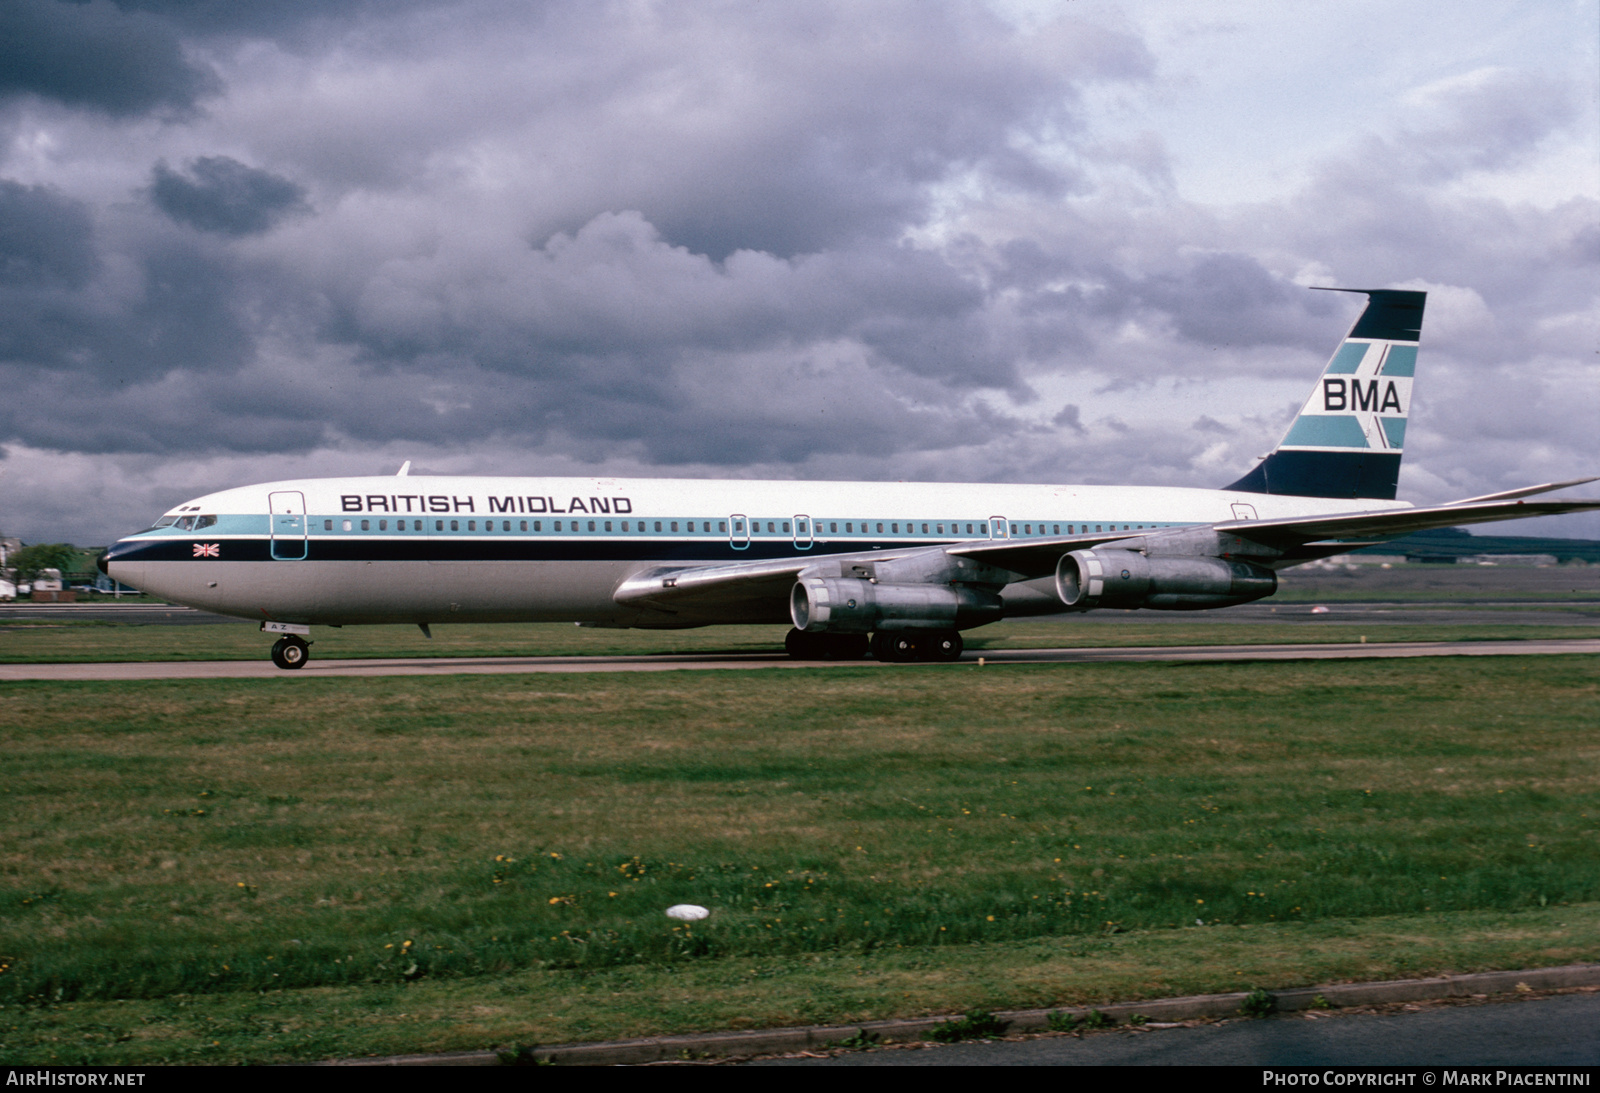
(908, 645)
(291, 651)
(803, 646)
(897, 645)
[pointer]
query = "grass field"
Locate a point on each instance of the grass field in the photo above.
(298, 868)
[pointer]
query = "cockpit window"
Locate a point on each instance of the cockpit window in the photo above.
(183, 523)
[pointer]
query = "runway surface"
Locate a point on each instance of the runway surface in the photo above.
(325, 669)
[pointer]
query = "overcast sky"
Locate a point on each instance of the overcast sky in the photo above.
(1009, 241)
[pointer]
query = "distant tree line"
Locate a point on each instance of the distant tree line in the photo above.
(30, 560)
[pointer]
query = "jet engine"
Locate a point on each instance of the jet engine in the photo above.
(1086, 579)
(846, 605)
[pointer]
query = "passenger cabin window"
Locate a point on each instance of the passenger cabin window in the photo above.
(346, 524)
(327, 525)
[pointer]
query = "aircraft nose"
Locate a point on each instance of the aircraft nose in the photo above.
(100, 563)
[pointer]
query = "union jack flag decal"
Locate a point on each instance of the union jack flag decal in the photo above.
(208, 550)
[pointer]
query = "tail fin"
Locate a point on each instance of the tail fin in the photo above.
(1348, 438)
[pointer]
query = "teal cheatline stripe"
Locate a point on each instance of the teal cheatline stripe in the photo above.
(1395, 429)
(1401, 361)
(1326, 431)
(1348, 359)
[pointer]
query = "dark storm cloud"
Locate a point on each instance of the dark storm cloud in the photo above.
(94, 55)
(796, 128)
(1227, 300)
(616, 291)
(83, 357)
(284, 19)
(219, 194)
(1068, 418)
(46, 240)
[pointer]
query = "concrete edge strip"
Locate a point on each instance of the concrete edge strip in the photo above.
(775, 1041)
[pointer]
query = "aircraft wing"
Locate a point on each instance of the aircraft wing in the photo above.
(758, 584)
(738, 585)
(1299, 537)
(728, 587)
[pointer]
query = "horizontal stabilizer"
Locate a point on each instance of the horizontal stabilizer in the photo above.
(1395, 522)
(1525, 491)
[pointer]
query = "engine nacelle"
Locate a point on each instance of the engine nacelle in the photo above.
(843, 605)
(1087, 579)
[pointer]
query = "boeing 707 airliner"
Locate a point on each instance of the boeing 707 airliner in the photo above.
(899, 569)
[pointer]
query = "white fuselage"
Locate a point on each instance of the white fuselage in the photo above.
(423, 549)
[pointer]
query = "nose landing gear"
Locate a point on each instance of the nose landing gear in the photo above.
(291, 651)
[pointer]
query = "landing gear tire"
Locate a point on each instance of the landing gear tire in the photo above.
(291, 651)
(896, 647)
(846, 646)
(942, 645)
(803, 646)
